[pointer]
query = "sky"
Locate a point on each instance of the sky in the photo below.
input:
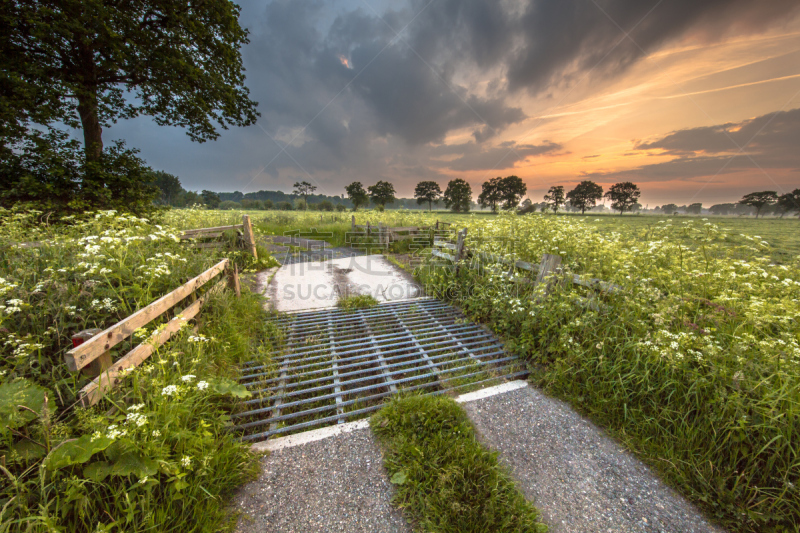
(693, 100)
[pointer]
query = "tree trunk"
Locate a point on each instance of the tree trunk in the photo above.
(92, 132)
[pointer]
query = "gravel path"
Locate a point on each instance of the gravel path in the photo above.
(332, 485)
(579, 478)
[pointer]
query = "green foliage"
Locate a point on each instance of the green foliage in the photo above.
(624, 196)
(73, 63)
(49, 172)
(155, 453)
(790, 202)
(228, 204)
(427, 192)
(304, 188)
(694, 365)
(169, 186)
(555, 197)
(381, 193)
(759, 200)
(585, 195)
(357, 301)
(458, 196)
(445, 480)
(211, 199)
(20, 401)
(507, 191)
(357, 194)
(491, 195)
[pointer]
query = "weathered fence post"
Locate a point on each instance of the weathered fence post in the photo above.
(98, 365)
(249, 236)
(233, 279)
(353, 223)
(549, 266)
(437, 225)
(460, 247)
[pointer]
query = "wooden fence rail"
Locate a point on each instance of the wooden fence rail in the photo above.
(244, 231)
(548, 265)
(388, 234)
(97, 347)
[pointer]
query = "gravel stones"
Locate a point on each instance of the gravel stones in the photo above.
(578, 477)
(332, 485)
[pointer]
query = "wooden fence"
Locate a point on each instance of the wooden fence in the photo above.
(244, 233)
(93, 356)
(550, 263)
(388, 234)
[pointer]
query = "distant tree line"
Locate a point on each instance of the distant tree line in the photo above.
(755, 203)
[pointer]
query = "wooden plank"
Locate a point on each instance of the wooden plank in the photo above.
(82, 355)
(443, 244)
(249, 236)
(216, 229)
(206, 235)
(93, 392)
(443, 255)
(524, 265)
(594, 283)
(209, 245)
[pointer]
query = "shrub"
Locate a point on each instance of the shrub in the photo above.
(48, 172)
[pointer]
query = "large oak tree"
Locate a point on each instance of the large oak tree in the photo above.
(624, 196)
(428, 191)
(458, 196)
(585, 195)
(88, 63)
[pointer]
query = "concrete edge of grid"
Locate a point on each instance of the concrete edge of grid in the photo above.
(314, 435)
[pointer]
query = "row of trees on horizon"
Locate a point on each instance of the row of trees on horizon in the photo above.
(496, 193)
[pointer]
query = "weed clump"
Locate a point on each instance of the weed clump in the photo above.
(358, 301)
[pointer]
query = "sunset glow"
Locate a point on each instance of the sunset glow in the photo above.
(694, 102)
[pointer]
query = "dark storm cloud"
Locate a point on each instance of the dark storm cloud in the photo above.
(563, 39)
(770, 141)
(360, 94)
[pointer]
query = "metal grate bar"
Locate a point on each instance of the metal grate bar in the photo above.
(487, 342)
(402, 351)
(341, 364)
(337, 389)
(434, 374)
(301, 324)
(380, 358)
(465, 329)
(365, 410)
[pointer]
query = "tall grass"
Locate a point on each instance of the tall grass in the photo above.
(155, 454)
(695, 366)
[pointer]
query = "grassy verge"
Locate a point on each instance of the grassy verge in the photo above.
(446, 481)
(155, 454)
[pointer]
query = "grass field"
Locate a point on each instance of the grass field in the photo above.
(155, 454)
(695, 366)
